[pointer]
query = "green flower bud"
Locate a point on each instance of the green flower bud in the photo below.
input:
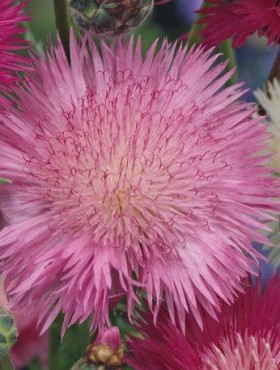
(110, 17)
(8, 331)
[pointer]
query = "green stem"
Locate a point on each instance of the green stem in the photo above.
(4, 181)
(229, 54)
(6, 362)
(62, 18)
(194, 36)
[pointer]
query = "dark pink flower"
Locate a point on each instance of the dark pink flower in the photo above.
(245, 337)
(11, 62)
(161, 347)
(131, 172)
(29, 344)
(240, 19)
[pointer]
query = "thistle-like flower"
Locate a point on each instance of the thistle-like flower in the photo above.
(130, 173)
(240, 19)
(11, 16)
(245, 337)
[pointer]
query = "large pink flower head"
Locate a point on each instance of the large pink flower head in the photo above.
(240, 19)
(246, 336)
(130, 173)
(11, 16)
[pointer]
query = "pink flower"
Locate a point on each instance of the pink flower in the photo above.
(11, 16)
(161, 347)
(29, 343)
(126, 168)
(109, 337)
(240, 19)
(246, 337)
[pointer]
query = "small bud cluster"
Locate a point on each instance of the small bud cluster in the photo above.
(105, 355)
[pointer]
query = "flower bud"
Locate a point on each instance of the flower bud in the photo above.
(110, 17)
(107, 349)
(8, 331)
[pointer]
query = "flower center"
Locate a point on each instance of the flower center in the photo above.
(122, 169)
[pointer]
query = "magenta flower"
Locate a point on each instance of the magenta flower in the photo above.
(246, 337)
(29, 344)
(161, 347)
(240, 19)
(126, 169)
(10, 63)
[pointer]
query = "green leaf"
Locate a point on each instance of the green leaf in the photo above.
(64, 354)
(5, 181)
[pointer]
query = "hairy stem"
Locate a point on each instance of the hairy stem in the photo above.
(62, 18)
(229, 54)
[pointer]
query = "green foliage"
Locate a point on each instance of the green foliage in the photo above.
(35, 365)
(63, 354)
(6, 362)
(5, 181)
(42, 23)
(149, 33)
(8, 331)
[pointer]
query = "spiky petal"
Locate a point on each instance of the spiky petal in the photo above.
(161, 347)
(11, 16)
(109, 337)
(240, 19)
(126, 168)
(245, 337)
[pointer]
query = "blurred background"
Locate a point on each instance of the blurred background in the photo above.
(172, 20)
